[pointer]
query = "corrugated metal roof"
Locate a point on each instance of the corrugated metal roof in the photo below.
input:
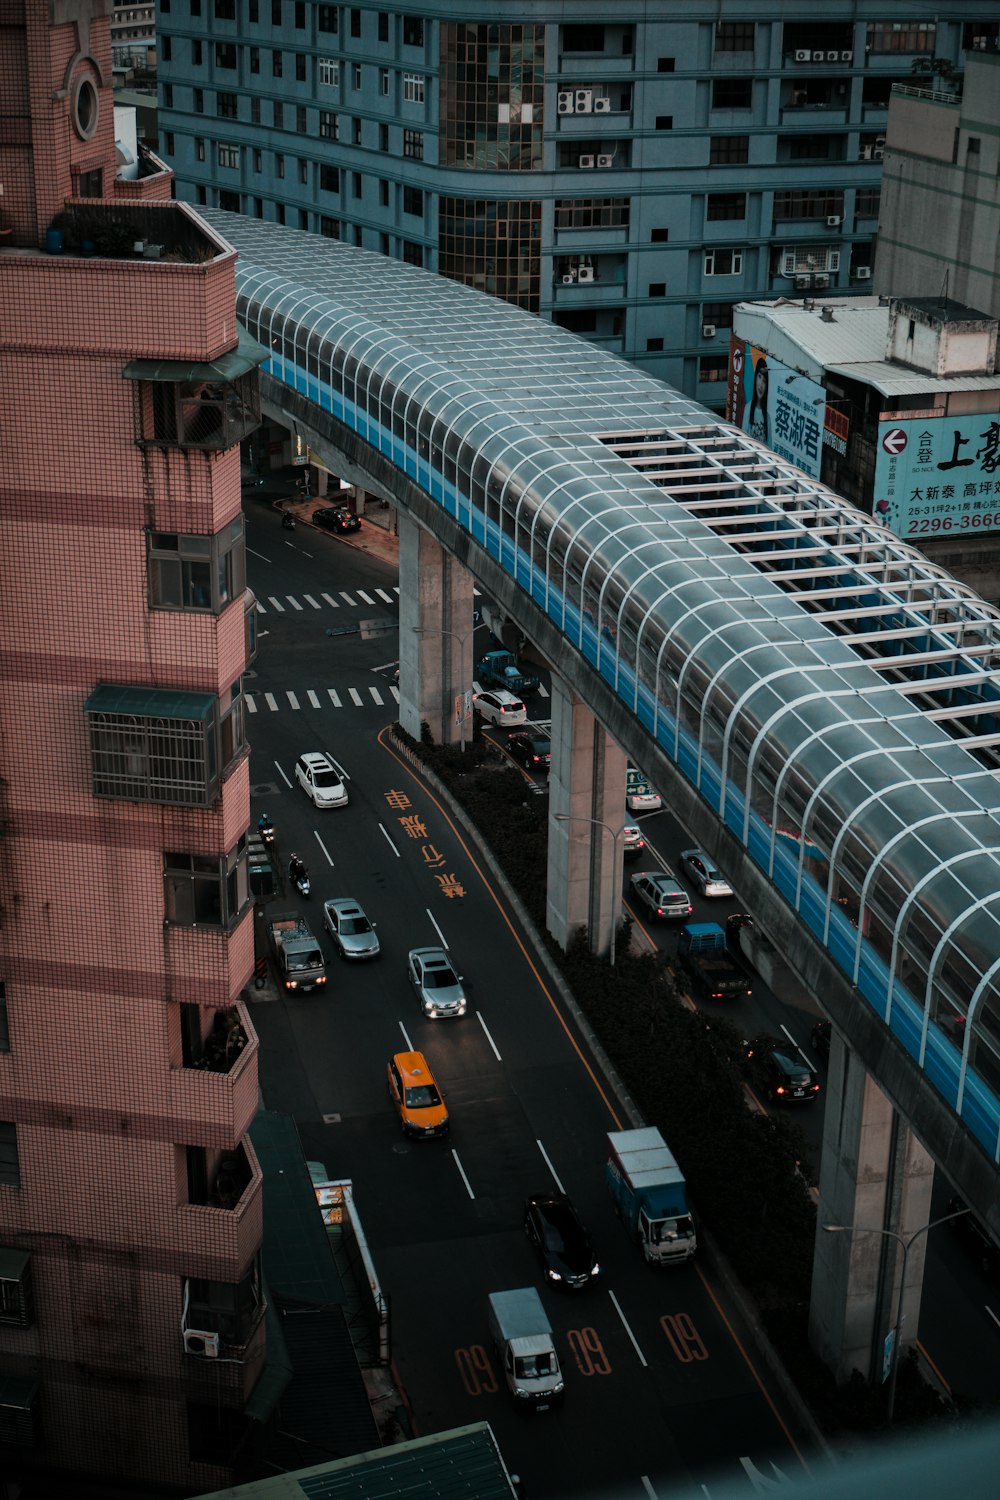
(897, 380)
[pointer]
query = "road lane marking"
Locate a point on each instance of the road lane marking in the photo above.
(269, 699)
(283, 776)
(355, 697)
(376, 695)
(335, 698)
(385, 835)
(406, 1039)
(347, 597)
(548, 1163)
(366, 597)
(395, 693)
(251, 705)
(333, 603)
(461, 1169)
(329, 856)
(277, 604)
(486, 1029)
(293, 702)
(383, 595)
(313, 698)
(632, 1337)
(444, 940)
(310, 600)
(294, 602)
(644, 1481)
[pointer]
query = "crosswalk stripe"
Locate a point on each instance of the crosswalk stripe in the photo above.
(475, 686)
(366, 597)
(376, 695)
(310, 600)
(383, 595)
(293, 702)
(260, 608)
(313, 699)
(395, 693)
(396, 589)
(277, 604)
(345, 596)
(269, 700)
(355, 697)
(335, 698)
(251, 704)
(333, 603)
(294, 602)
(543, 692)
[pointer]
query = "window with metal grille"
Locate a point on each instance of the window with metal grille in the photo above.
(712, 367)
(277, 65)
(809, 203)
(17, 1303)
(278, 114)
(170, 760)
(718, 314)
(329, 228)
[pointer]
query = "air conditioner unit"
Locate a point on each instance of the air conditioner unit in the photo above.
(605, 161)
(877, 154)
(833, 57)
(584, 100)
(568, 279)
(880, 140)
(564, 103)
(866, 153)
(820, 283)
(708, 330)
(602, 105)
(585, 161)
(803, 54)
(196, 1341)
(863, 273)
(585, 273)
(803, 283)
(833, 221)
(819, 57)
(847, 57)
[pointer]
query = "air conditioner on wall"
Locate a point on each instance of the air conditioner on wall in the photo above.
(196, 1341)
(833, 57)
(847, 57)
(834, 221)
(879, 140)
(605, 161)
(708, 330)
(584, 101)
(863, 273)
(803, 283)
(877, 154)
(820, 283)
(819, 57)
(586, 273)
(602, 105)
(564, 103)
(585, 161)
(569, 278)
(865, 153)
(803, 54)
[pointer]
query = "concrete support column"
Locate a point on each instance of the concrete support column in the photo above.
(874, 1175)
(435, 636)
(586, 782)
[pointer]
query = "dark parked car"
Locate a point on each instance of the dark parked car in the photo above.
(819, 1039)
(337, 518)
(978, 1240)
(533, 751)
(561, 1243)
(784, 1077)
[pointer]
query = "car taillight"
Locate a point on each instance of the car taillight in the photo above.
(779, 1089)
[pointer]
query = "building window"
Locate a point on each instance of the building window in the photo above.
(413, 88)
(258, 159)
(866, 203)
(583, 38)
(258, 211)
(300, 67)
(666, 64)
(383, 192)
(300, 15)
(413, 254)
(383, 81)
(255, 59)
(355, 23)
(167, 48)
(413, 31)
(232, 1310)
(654, 346)
(726, 206)
(301, 124)
(168, 142)
(356, 185)
(329, 19)
(413, 201)
(303, 172)
(664, 122)
(356, 131)
(901, 36)
(383, 26)
(254, 110)
(194, 8)
(732, 93)
(197, 52)
(717, 314)
(196, 572)
(228, 156)
(275, 12)
(413, 144)
(197, 98)
(199, 148)
(713, 367)
(329, 228)
(277, 65)
(10, 1165)
(278, 114)
(493, 245)
(215, 1433)
(808, 204)
(226, 106)
(492, 93)
(734, 36)
(175, 757)
(225, 10)
(383, 137)
(329, 72)
(592, 213)
(355, 75)
(660, 235)
(723, 261)
(810, 147)
(4, 1019)
(168, 97)
(200, 195)
(329, 125)
(253, 11)
(728, 150)
(329, 178)
(279, 164)
(225, 55)
(202, 890)
(657, 289)
(359, 238)
(17, 1303)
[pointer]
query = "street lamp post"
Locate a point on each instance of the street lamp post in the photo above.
(615, 878)
(906, 1244)
(461, 636)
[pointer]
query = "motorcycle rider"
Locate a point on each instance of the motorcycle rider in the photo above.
(288, 520)
(265, 828)
(296, 870)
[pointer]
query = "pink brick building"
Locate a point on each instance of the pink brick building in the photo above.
(131, 1308)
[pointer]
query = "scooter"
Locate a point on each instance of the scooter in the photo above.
(299, 877)
(266, 829)
(288, 521)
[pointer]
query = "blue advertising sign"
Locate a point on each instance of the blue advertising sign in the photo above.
(936, 474)
(776, 404)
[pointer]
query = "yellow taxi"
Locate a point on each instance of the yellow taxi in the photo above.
(416, 1096)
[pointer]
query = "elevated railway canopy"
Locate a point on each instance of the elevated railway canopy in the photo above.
(822, 688)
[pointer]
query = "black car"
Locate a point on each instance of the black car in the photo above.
(533, 751)
(337, 518)
(780, 1074)
(978, 1240)
(561, 1243)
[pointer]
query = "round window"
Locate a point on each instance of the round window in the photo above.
(86, 109)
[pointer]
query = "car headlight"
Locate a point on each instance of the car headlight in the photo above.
(553, 1275)
(291, 984)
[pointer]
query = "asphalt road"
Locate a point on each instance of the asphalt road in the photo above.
(663, 1390)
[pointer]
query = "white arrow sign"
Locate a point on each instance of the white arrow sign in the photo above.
(894, 440)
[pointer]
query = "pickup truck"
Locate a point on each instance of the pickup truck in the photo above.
(298, 956)
(499, 669)
(714, 974)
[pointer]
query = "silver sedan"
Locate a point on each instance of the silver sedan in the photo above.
(350, 929)
(438, 987)
(704, 874)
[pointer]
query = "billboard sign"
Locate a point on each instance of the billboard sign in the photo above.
(937, 474)
(776, 404)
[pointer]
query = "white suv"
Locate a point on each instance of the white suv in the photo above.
(321, 780)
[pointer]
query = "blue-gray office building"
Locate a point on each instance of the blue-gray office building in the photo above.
(629, 177)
